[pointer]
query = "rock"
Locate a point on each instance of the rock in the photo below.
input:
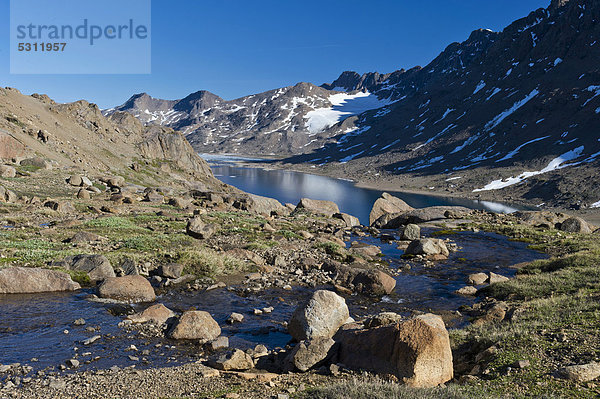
(387, 204)
(180, 203)
(266, 206)
(351, 221)
(75, 181)
(521, 364)
(37, 163)
(469, 290)
(321, 207)
(79, 322)
(217, 344)
(72, 363)
(576, 225)
(113, 181)
(83, 194)
(494, 313)
(236, 360)
(200, 230)
(410, 232)
(416, 351)
(207, 372)
(196, 325)
(157, 314)
(154, 197)
(496, 278)
(365, 249)
(171, 270)
(477, 278)
(427, 246)
(320, 316)
(10, 147)
(91, 340)
(383, 319)
(61, 206)
(365, 281)
(84, 237)
(580, 372)
(235, 318)
(416, 216)
(127, 288)
(25, 280)
(7, 196)
(310, 353)
(543, 219)
(7, 171)
(86, 182)
(96, 266)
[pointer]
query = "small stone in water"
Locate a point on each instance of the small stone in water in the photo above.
(91, 340)
(79, 322)
(258, 312)
(73, 363)
(268, 310)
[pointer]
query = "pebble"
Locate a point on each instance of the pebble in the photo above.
(91, 340)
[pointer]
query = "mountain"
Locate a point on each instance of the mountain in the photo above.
(516, 110)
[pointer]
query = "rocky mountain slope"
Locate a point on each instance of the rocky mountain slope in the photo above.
(78, 137)
(513, 111)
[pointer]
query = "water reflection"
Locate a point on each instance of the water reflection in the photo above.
(287, 186)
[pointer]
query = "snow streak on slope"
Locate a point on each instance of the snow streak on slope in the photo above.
(344, 105)
(498, 119)
(555, 164)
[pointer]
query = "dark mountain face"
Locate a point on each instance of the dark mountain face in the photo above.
(526, 99)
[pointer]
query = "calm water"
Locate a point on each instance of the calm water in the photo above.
(287, 186)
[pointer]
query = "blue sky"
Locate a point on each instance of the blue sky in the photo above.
(239, 47)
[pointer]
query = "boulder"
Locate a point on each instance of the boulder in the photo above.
(576, 225)
(83, 194)
(496, 278)
(416, 351)
(237, 360)
(200, 230)
(365, 249)
(428, 247)
(10, 147)
(266, 206)
(37, 163)
(365, 281)
(416, 216)
(84, 237)
(580, 372)
(171, 270)
(75, 180)
(320, 207)
(96, 266)
(477, 278)
(25, 280)
(157, 314)
(383, 319)
(196, 325)
(410, 232)
(127, 288)
(387, 204)
(320, 316)
(7, 171)
(543, 219)
(310, 353)
(61, 206)
(351, 221)
(217, 344)
(468, 290)
(7, 196)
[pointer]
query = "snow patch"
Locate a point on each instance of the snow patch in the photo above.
(595, 205)
(555, 164)
(498, 119)
(516, 150)
(480, 86)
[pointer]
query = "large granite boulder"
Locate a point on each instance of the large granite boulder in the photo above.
(416, 351)
(132, 289)
(320, 316)
(364, 281)
(96, 266)
(320, 207)
(26, 280)
(196, 325)
(387, 204)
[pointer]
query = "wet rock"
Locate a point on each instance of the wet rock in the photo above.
(171, 270)
(236, 360)
(72, 363)
(320, 316)
(496, 278)
(387, 204)
(218, 344)
(469, 290)
(321, 207)
(310, 353)
(200, 230)
(60, 206)
(365, 281)
(157, 314)
(127, 288)
(576, 225)
(7, 171)
(349, 220)
(196, 325)
(22, 280)
(235, 318)
(416, 351)
(477, 278)
(410, 232)
(96, 266)
(427, 246)
(91, 340)
(79, 322)
(580, 372)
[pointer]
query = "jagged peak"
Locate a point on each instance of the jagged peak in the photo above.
(556, 4)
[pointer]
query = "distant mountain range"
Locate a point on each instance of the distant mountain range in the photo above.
(523, 102)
